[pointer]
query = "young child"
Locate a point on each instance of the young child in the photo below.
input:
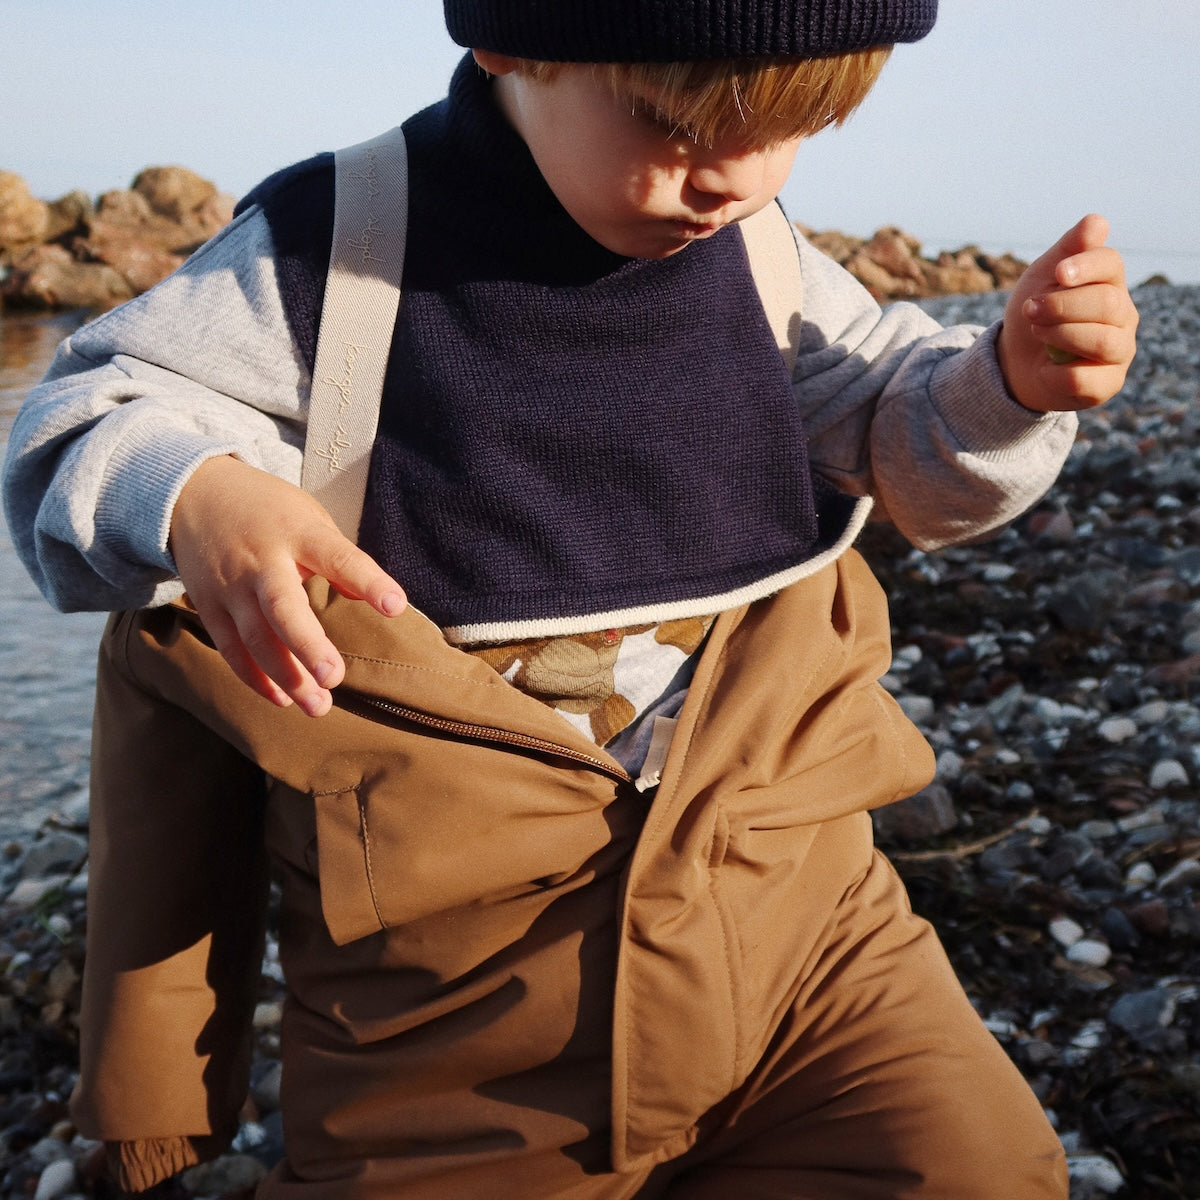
(578, 892)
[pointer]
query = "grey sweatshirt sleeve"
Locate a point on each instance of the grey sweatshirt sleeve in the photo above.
(201, 365)
(916, 415)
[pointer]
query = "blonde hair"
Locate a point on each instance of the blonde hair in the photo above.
(761, 101)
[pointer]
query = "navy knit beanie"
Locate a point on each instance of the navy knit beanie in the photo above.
(684, 30)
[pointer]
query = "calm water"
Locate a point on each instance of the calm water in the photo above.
(47, 659)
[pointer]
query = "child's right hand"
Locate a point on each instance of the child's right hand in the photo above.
(244, 542)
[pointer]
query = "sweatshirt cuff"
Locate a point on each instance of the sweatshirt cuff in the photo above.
(970, 394)
(144, 477)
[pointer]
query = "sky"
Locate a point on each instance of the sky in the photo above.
(1004, 126)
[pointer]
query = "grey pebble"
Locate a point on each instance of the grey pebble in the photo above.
(56, 1181)
(1089, 952)
(918, 709)
(29, 893)
(1092, 1174)
(1140, 1014)
(1117, 730)
(1184, 874)
(56, 852)
(1168, 773)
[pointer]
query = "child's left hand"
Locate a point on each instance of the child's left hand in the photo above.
(1074, 299)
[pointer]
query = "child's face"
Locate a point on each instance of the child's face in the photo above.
(637, 187)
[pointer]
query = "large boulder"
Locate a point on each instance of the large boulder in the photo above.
(841, 247)
(898, 253)
(183, 197)
(50, 277)
(68, 215)
(1005, 269)
(23, 218)
(147, 231)
(130, 250)
(878, 280)
(128, 235)
(959, 273)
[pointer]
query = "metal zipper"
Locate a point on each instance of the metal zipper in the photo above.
(464, 729)
(486, 733)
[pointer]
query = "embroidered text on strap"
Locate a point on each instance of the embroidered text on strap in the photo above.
(362, 295)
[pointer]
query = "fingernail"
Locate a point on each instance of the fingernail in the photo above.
(1068, 272)
(318, 705)
(391, 604)
(322, 672)
(1033, 309)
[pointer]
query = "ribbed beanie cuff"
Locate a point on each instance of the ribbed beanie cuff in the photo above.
(684, 30)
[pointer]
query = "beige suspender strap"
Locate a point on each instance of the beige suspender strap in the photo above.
(358, 319)
(775, 268)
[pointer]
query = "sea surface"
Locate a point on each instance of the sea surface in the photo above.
(47, 659)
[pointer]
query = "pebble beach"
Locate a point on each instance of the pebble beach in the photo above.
(1056, 672)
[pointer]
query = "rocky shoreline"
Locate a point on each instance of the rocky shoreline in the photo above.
(1056, 671)
(76, 252)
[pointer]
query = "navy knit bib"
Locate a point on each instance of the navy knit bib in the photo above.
(569, 440)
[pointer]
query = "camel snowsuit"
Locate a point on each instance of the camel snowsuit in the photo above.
(557, 982)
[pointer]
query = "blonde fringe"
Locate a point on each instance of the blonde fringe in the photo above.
(759, 102)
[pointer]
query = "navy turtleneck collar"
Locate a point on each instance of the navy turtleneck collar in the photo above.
(488, 211)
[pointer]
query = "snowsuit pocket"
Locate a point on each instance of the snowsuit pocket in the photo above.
(348, 898)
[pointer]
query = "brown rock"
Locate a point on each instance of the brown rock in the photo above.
(926, 815)
(129, 236)
(23, 218)
(838, 246)
(132, 251)
(131, 210)
(1152, 917)
(215, 213)
(1179, 673)
(1005, 269)
(1157, 591)
(183, 197)
(98, 256)
(890, 265)
(958, 273)
(880, 282)
(173, 192)
(898, 253)
(68, 215)
(1054, 524)
(127, 229)
(48, 277)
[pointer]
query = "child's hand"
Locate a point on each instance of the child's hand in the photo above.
(1073, 299)
(244, 541)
